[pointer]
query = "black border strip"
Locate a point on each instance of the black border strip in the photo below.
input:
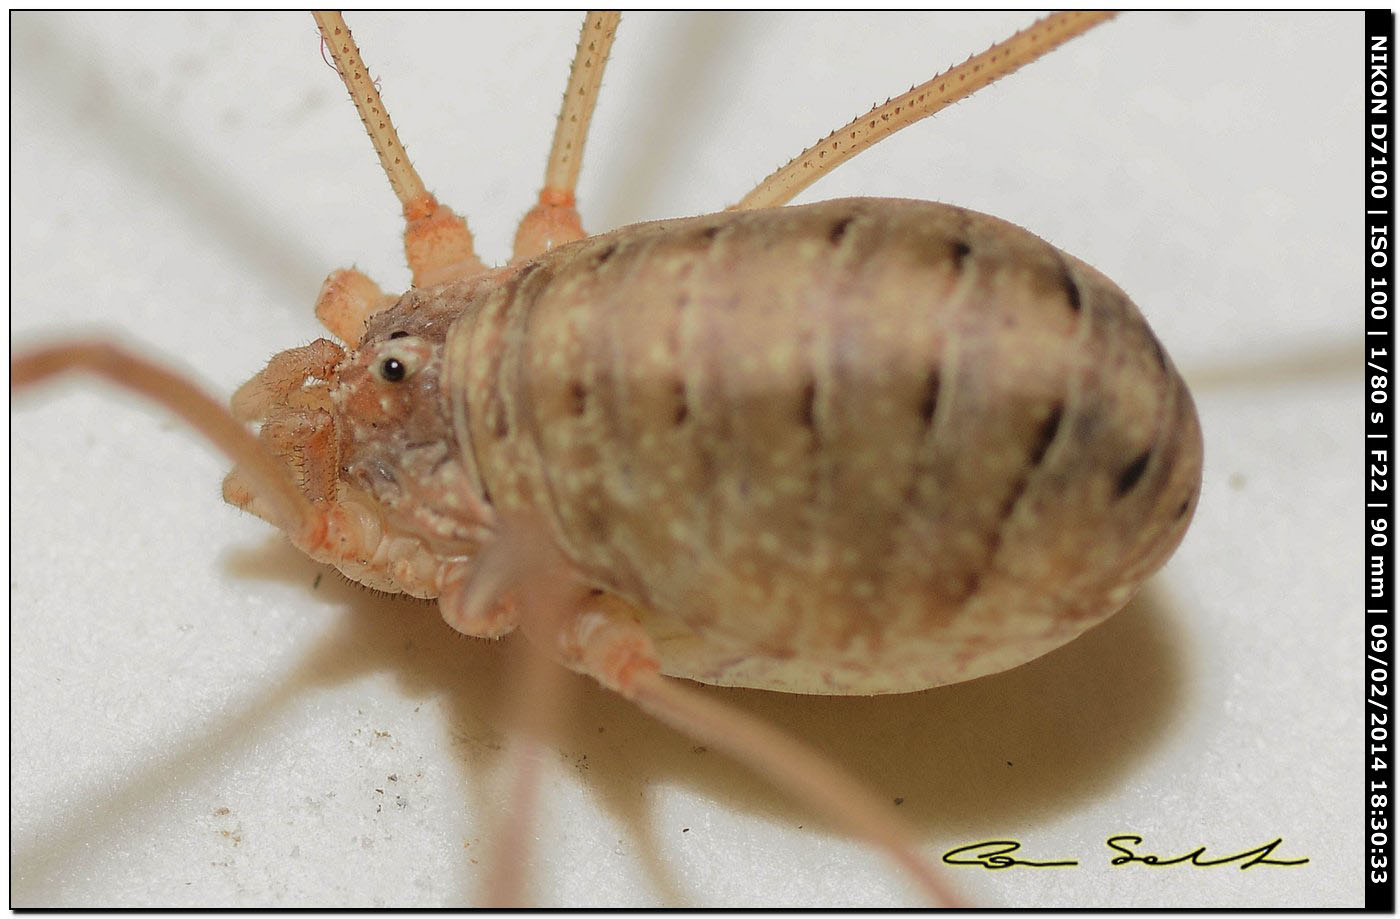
(1379, 638)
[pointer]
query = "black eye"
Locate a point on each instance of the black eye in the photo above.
(398, 334)
(399, 361)
(392, 370)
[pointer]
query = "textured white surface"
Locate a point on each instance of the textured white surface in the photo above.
(194, 723)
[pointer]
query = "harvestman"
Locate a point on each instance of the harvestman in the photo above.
(439, 250)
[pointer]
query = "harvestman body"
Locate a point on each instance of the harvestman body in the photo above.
(855, 447)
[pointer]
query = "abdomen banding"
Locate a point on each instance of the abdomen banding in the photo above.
(860, 446)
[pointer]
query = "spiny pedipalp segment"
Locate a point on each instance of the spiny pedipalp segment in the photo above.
(918, 103)
(436, 241)
(555, 220)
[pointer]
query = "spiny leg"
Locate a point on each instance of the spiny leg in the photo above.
(918, 103)
(436, 241)
(555, 220)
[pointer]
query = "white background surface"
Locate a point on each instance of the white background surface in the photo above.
(193, 723)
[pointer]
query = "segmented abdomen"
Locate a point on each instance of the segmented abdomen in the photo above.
(860, 446)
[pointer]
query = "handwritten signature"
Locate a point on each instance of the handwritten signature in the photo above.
(995, 854)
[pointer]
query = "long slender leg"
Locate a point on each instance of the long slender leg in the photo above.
(539, 698)
(523, 570)
(604, 641)
(918, 103)
(555, 220)
(436, 241)
(263, 474)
